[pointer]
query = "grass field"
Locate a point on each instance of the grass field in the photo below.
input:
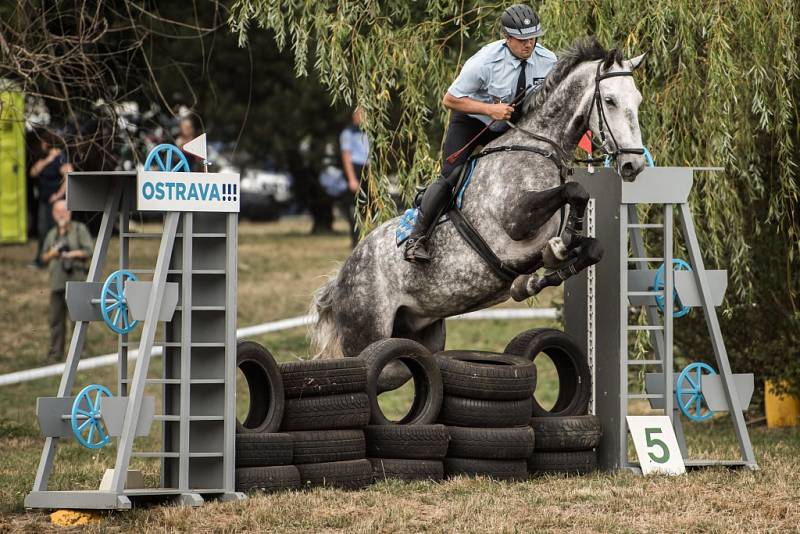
(279, 266)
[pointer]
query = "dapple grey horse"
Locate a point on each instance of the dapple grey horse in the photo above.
(514, 200)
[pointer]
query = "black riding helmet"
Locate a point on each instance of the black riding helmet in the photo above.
(521, 22)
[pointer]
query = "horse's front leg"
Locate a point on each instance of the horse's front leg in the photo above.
(531, 212)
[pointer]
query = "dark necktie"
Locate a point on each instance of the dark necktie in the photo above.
(521, 84)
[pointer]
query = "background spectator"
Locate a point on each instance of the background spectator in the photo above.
(50, 170)
(354, 145)
(68, 247)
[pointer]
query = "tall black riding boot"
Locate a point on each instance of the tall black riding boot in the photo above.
(434, 202)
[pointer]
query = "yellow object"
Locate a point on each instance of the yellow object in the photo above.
(782, 411)
(69, 518)
(13, 196)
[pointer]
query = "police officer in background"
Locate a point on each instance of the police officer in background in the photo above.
(354, 146)
(490, 80)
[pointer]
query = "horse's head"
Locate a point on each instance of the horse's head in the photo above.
(614, 116)
(591, 87)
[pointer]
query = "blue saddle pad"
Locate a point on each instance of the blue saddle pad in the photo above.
(409, 218)
(406, 225)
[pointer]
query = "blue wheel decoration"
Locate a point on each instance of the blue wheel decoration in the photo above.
(113, 305)
(167, 158)
(689, 394)
(88, 427)
(658, 285)
(647, 156)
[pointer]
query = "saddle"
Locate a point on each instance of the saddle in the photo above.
(409, 217)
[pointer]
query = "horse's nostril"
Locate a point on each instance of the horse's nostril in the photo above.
(628, 168)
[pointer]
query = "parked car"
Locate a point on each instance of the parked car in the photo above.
(265, 195)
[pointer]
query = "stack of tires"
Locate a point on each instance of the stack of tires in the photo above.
(411, 448)
(566, 437)
(326, 411)
(487, 408)
(263, 455)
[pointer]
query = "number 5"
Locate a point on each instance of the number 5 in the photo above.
(653, 442)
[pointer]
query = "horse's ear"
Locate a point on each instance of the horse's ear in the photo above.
(637, 61)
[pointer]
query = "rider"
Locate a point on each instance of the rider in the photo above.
(490, 80)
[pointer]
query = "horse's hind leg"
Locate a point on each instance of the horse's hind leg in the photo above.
(587, 253)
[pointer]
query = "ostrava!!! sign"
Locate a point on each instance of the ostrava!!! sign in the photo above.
(187, 191)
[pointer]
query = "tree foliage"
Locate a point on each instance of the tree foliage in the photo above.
(720, 88)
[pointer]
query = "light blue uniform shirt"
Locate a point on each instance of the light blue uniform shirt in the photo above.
(355, 141)
(491, 76)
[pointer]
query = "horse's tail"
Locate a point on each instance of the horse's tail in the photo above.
(325, 337)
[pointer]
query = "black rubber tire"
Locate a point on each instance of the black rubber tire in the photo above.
(486, 375)
(267, 478)
(265, 386)
(519, 344)
(323, 377)
(354, 474)
(331, 412)
(574, 377)
(262, 450)
(496, 469)
(316, 446)
(407, 442)
(388, 468)
(458, 411)
(424, 371)
(574, 433)
(573, 462)
(491, 443)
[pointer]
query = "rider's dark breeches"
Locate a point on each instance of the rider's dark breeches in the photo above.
(461, 129)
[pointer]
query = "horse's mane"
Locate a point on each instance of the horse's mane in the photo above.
(586, 49)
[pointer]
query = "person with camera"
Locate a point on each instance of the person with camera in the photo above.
(50, 172)
(67, 250)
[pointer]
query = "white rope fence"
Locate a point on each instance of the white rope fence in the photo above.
(256, 330)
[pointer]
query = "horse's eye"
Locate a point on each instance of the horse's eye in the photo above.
(610, 101)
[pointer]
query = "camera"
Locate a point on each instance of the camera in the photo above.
(66, 263)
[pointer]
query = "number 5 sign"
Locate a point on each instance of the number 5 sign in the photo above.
(656, 445)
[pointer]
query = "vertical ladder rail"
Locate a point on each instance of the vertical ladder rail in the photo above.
(712, 322)
(186, 340)
(623, 335)
(669, 285)
(124, 251)
(229, 425)
(137, 384)
(591, 310)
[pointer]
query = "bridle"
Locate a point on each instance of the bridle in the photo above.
(597, 101)
(604, 126)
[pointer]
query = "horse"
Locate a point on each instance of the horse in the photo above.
(515, 201)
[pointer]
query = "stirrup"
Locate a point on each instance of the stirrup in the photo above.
(415, 251)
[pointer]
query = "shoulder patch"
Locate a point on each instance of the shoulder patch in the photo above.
(494, 51)
(544, 52)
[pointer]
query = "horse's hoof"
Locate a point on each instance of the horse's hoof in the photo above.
(554, 253)
(519, 288)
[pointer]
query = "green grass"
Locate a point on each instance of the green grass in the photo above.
(279, 266)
